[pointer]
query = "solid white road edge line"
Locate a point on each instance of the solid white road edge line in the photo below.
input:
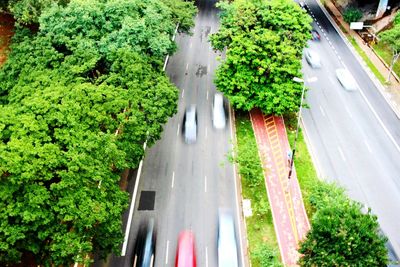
(206, 257)
(166, 253)
(173, 179)
(236, 195)
(133, 200)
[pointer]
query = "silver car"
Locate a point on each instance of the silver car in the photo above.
(190, 125)
(346, 79)
(218, 112)
(312, 58)
(227, 250)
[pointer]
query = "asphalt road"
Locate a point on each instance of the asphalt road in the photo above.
(355, 136)
(190, 182)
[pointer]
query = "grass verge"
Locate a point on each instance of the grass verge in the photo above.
(263, 246)
(306, 174)
(386, 54)
(367, 60)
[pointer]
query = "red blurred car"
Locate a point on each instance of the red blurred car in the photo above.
(185, 252)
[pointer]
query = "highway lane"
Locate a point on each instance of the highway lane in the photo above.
(354, 135)
(191, 182)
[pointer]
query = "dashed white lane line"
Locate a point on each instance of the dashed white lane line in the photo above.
(341, 153)
(367, 145)
(322, 30)
(348, 112)
(207, 94)
(322, 111)
(191, 43)
(206, 257)
(183, 92)
(166, 253)
(205, 184)
(317, 23)
(173, 180)
(187, 66)
(327, 38)
(206, 132)
(177, 131)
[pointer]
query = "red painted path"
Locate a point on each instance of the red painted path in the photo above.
(290, 219)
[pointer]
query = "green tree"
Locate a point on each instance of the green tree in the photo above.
(65, 93)
(264, 42)
(341, 234)
(391, 37)
(28, 11)
(352, 14)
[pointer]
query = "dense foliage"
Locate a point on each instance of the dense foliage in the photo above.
(352, 14)
(341, 233)
(77, 101)
(264, 42)
(391, 38)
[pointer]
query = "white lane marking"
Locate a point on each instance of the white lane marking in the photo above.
(341, 153)
(133, 201)
(239, 221)
(173, 179)
(206, 132)
(208, 67)
(322, 30)
(176, 30)
(207, 94)
(191, 43)
(367, 145)
(348, 112)
(317, 23)
(166, 252)
(380, 121)
(165, 62)
(339, 57)
(330, 43)
(187, 66)
(183, 92)
(327, 38)
(322, 111)
(206, 257)
(177, 131)
(205, 184)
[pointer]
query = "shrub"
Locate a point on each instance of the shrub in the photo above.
(352, 14)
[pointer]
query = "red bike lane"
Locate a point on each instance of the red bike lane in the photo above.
(288, 212)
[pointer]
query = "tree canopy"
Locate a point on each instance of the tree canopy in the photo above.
(77, 101)
(341, 233)
(264, 43)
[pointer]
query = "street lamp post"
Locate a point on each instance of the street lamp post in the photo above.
(298, 80)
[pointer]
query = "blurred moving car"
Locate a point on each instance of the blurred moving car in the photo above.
(144, 251)
(185, 252)
(313, 58)
(346, 79)
(189, 127)
(227, 248)
(315, 35)
(218, 112)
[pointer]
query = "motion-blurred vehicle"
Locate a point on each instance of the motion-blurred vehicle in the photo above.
(346, 79)
(190, 125)
(312, 58)
(315, 35)
(145, 246)
(218, 112)
(227, 248)
(185, 252)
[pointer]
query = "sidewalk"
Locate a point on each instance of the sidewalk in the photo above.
(290, 220)
(390, 92)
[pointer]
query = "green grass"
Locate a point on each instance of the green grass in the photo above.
(386, 54)
(263, 246)
(306, 174)
(367, 60)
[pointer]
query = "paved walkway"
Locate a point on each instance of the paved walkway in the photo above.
(290, 219)
(390, 92)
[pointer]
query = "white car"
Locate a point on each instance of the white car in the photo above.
(227, 250)
(218, 112)
(190, 125)
(312, 58)
(346, 79)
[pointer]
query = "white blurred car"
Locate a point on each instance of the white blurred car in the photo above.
(227, 250)
(218, 112)
(312, 58)
(190, 125)
(346, 79)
